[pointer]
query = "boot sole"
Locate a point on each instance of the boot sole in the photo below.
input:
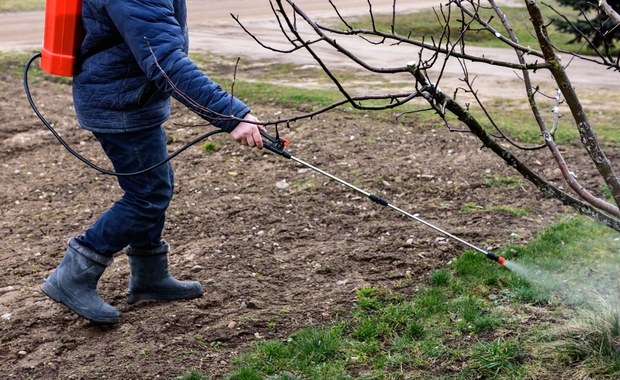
(146, 297)
(59, 296)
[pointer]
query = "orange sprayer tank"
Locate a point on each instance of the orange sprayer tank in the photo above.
(62, 36)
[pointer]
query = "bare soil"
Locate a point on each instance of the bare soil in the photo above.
(277, 246)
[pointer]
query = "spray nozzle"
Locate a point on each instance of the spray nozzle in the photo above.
(498, 259)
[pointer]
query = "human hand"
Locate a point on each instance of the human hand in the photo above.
(247, 132)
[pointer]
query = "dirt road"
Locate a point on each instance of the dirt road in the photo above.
(25, 29)
(212, 28)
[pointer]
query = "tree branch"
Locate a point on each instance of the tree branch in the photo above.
(609, 10)
(431, 91)
(584, 127)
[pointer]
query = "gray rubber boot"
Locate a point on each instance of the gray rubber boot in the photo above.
(151, 281)
(74, 284)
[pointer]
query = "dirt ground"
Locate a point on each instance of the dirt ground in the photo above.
(277, 246)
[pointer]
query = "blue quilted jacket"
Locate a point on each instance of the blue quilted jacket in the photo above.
(132, 59)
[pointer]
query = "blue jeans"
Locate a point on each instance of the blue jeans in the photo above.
(136, 219)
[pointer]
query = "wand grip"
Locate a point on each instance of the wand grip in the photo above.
(275, 144)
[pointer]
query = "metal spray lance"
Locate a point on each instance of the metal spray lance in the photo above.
(277, 146)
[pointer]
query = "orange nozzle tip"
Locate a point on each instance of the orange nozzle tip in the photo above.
(501, 260)
(286, 142)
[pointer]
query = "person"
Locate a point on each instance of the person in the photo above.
(132, 60)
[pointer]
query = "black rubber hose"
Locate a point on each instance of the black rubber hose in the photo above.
(82, 158)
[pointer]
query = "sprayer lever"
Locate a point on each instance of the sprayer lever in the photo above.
(275, 144)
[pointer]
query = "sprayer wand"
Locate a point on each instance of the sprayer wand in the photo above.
(277, 146)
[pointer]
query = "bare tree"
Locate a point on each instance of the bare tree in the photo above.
(452, 44)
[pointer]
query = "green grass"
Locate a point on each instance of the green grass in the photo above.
(12, 66)
(578, 259)
(12, 63)
(515, 118)
(308, 350)
(505, 209)
(425, 24)
(469, 316)
(192, 375)
(594, 341)
(285, 96)
(209, 147)
(502, 181)
(21, 5)
(497, 357)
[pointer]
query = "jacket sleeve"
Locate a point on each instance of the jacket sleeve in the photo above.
(158, 43)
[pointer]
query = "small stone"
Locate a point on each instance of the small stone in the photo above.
(9, 288)
(6, 316)
(258, 336)
(342, 282)
(232, 325)
(197, 268)
(409, 241)
(282, 184)
(22, 353)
